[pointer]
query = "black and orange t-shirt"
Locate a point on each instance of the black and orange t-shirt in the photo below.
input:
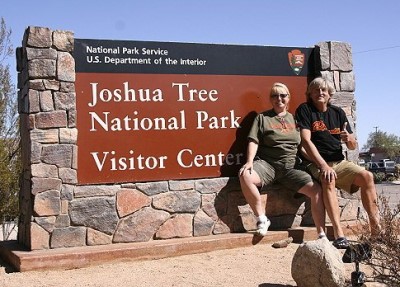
(325, 129)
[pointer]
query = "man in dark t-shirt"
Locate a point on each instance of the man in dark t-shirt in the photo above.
(323, 129)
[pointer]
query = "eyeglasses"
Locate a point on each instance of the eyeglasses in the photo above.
(282, 96)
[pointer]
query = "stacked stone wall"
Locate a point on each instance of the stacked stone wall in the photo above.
(334, 61)
(56, 212)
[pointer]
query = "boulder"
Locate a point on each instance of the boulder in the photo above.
(318, 263)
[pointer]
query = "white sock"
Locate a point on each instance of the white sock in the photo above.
(321, 235)
(262, 218)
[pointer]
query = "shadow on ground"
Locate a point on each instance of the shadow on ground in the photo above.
(275, 285)
(7, 267)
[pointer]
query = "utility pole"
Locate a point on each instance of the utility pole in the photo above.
(376, 133)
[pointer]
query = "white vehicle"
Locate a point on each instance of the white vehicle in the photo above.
(386, 166)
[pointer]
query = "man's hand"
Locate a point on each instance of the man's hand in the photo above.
(327, 173)
(347, 138)
(344, 135)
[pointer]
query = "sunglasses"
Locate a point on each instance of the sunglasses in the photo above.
(282, 96)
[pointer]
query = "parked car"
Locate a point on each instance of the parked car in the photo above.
(362, 162)
(385, 166)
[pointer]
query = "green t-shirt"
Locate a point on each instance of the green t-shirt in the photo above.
(277, 138)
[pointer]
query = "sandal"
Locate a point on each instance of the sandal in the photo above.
(341, 243)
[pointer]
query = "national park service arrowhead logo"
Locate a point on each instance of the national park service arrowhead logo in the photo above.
(296, 60)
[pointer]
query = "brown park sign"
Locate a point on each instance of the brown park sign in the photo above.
(151, 111)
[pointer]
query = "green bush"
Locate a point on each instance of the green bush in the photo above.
(397, 170)
(10, 169)
(379, 177)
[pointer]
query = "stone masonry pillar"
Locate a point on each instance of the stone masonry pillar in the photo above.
(334, 61)
(47, 117)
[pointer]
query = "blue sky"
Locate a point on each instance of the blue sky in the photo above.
(370, 27)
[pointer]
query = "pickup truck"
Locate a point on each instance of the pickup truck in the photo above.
(385, 166)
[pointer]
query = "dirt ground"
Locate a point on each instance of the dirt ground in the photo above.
(259, 266)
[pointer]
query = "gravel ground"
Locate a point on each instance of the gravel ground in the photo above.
(258, 266)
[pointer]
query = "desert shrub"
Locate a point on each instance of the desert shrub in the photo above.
(397, 170)
(385, 260)
(390, 178)
(379, 177)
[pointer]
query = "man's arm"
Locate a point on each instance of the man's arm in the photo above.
(348, 138)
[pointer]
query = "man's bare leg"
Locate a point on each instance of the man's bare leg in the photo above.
(369, 199)
(332, 206)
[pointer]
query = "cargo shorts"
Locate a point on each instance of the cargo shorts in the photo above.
(345, 170)
(291, 178)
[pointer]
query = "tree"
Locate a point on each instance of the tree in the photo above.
(389, 143)
(10, 160)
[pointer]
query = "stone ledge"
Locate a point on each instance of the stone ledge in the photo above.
(77, 257)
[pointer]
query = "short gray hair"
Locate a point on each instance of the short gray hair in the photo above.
(320, 83)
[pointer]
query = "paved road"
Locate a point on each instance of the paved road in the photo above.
(391, 191)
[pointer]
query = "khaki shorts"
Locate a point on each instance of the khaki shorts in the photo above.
(292, 179)
(346, 172)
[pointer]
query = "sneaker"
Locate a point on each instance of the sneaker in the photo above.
(262, 227)
(322, 236)
(341, 243)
